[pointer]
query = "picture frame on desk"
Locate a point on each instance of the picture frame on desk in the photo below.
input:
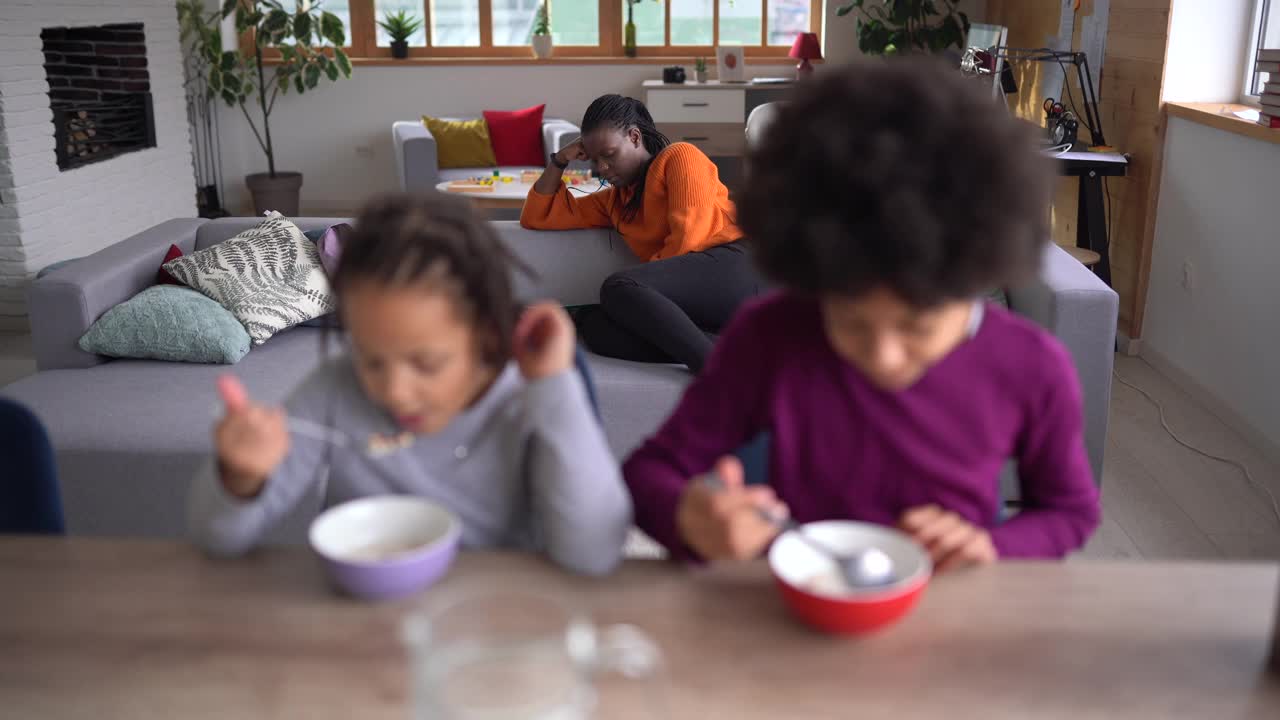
(731, 65)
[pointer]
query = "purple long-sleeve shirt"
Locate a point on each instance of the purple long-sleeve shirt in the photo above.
(840, 447)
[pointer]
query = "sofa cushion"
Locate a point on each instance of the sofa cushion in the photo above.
(635, 398)
(162, 276)
(516, 135)
(461, 143)
(270, 277)
(168, 322)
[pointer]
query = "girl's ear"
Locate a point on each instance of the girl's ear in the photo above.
(637, 137)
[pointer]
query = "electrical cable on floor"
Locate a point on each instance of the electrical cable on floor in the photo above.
(1275, 507)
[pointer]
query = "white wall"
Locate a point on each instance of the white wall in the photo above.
(1217, 212)
(1207, 43)
(47, 215)
(339, 136)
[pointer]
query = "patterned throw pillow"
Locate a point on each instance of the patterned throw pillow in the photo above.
(168, 322)
(269, 277)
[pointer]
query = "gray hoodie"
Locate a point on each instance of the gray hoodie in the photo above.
(527, 466)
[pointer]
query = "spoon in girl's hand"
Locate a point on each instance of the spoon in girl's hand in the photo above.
(865, 568)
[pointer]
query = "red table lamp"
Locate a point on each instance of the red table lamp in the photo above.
(805, 48)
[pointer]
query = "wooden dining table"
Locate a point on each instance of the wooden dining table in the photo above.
(114, 628)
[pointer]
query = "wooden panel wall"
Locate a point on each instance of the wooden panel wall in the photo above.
(1132, 73)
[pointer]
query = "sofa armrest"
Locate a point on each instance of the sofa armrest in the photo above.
(64, 303)
(1081, 311)
(417, 163)
(568, 265)
(556, 133)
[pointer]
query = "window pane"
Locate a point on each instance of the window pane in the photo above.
(455, 23)
(410, 7)
(573, 22)
(341, 8)
(739, 22)
(692, 22)
(513, 21)
(787, 18)
(650, 16)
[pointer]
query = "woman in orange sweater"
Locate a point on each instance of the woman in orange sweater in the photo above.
(667, 202)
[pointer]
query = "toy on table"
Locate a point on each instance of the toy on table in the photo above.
(569, 177)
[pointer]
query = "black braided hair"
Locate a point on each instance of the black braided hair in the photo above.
(623, 113)
(401, 239)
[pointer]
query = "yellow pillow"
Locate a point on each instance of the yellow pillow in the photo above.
(461, 143)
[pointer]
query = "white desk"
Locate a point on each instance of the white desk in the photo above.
(710, 115)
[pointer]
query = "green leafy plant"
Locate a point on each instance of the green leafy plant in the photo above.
(400, 25)
(892, 26)
(542, 20)
(240, 77)
(700, 64)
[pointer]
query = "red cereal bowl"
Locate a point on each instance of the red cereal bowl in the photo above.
(805, 577)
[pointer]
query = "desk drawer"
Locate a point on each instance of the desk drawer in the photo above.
(714, 139)
(697, 106)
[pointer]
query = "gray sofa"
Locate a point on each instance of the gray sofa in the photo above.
(417, 167)
(130, 433)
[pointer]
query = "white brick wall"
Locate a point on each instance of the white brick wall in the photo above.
(47, 215)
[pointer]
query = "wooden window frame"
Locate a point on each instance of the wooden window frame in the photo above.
(363, 47)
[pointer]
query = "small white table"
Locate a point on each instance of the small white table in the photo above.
(507, 194)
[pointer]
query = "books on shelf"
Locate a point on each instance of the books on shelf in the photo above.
(1270, 55)
(1269, 121)
(1271, 88)
(1267, 67)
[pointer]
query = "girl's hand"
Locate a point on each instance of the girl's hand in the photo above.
(573, 151)
(251, 440)
(952, 541)
(725, 523)
(544, 339)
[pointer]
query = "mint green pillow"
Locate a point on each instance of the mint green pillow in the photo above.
(168, 322)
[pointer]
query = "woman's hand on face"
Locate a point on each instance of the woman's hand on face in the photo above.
(544, 341)
(951, 541)
(573, 151)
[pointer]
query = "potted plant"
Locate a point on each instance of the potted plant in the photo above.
(891, 26)
(242, 80)
(542, 32)
(700, 70)
(400, 26)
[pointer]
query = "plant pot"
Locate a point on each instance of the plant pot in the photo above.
(542, 46)
(700, 76)
(399, 49)
(279, 193)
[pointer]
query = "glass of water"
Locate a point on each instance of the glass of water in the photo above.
(494, 655)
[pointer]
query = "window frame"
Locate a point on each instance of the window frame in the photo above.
(362, 40)
(1261, 13)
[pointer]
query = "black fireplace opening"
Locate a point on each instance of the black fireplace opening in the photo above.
(100, 92)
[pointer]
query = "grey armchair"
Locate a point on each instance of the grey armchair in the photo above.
(417, 167)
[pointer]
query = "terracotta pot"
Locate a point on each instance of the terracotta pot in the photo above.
(279, 193)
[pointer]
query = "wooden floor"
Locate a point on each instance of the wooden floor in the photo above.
(1160, 500)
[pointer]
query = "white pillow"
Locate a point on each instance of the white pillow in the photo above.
(269, 277)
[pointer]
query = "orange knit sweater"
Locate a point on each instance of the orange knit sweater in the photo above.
(686, 207)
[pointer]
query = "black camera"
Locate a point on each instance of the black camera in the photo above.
(673, 75)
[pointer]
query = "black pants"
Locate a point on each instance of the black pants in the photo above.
(670, 310)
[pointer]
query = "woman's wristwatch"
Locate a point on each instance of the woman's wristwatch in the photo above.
(557, 163)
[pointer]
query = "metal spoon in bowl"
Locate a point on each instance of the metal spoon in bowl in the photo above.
(865, 568)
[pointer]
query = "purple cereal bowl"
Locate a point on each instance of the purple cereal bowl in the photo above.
(386, 546)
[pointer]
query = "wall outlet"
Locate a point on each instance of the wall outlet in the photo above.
(1188, 276)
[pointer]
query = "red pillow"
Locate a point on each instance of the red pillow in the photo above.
(163, 277)
(516, 136)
